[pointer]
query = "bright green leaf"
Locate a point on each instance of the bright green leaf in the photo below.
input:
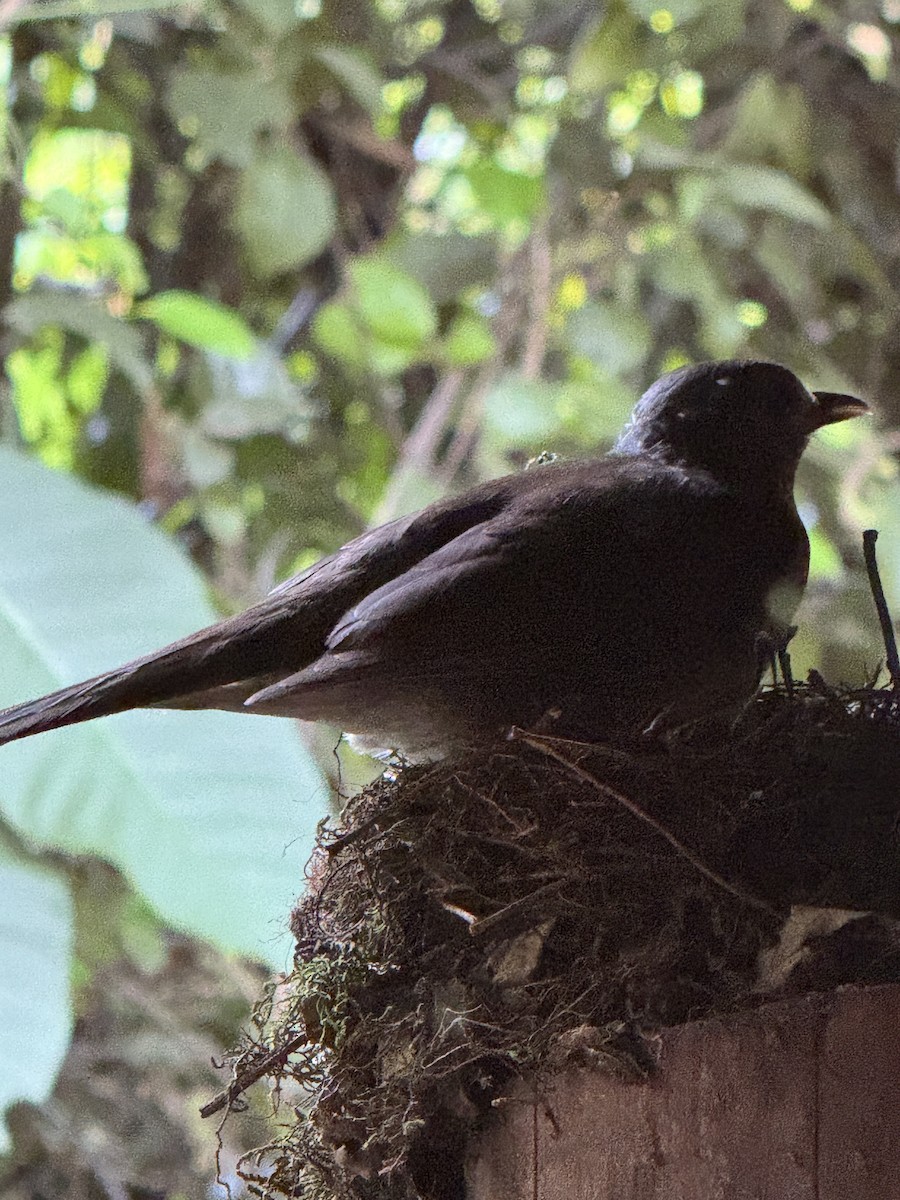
(506, 195)
(824, 559)
(469, 340)
(342, 334)
(521, 411)
(391, 303)
(209, 815)
(534, 415)
(199, 322)
(285, 211)
(336, 330)
(388, 358)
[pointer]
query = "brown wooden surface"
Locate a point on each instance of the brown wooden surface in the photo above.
(799, 1100)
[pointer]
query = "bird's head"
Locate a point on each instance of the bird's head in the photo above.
(744, 422)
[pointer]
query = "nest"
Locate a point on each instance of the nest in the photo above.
(544, 903)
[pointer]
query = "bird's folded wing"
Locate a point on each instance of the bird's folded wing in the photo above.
(502, 591)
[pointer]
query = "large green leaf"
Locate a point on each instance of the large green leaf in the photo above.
(469, 340)
(445, 264)
(35, 953)
(285, 211)
(210, 815)
(536, 415)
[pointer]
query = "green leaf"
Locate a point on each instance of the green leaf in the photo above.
(206, 462)
(341, 333)
(88, 319)
(199, 322)
(771, 123)
(606, 52)
(824, 559)
(521, 411)
(469, 340)
(356, 71)
(209, 815)
(336, 329)
(35, 956)
(616, 339)
(753, 186)
(506, 195)
(534, 415)
(285, 211)
(392, 304)
(225, 112)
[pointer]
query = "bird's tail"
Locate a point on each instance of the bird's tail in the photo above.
(200, 671)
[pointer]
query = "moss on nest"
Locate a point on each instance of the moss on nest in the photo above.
(545, 902)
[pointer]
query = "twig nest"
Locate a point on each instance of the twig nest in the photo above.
(543, 903)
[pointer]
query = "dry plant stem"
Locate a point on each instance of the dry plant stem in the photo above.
(713, 876)
(870, 537)
(541, 283)
(418, 451)
(249, 1077)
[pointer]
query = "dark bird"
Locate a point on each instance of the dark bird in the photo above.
(646, 586)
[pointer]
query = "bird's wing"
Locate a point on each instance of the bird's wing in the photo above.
(504, 591)
(593, 521)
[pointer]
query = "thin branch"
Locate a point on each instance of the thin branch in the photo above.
(870, 537)
(540, 285)
(276, 1058)
(480, 924)
(417, 455)
(538, 743)
(468, 425)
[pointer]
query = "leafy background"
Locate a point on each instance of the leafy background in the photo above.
(272, 271)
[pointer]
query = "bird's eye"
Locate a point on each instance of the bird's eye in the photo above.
(723, 381)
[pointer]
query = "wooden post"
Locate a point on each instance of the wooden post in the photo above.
(796, 1100)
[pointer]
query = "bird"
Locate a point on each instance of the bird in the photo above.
(608, 596)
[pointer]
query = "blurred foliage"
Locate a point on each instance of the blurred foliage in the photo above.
(277, 269)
